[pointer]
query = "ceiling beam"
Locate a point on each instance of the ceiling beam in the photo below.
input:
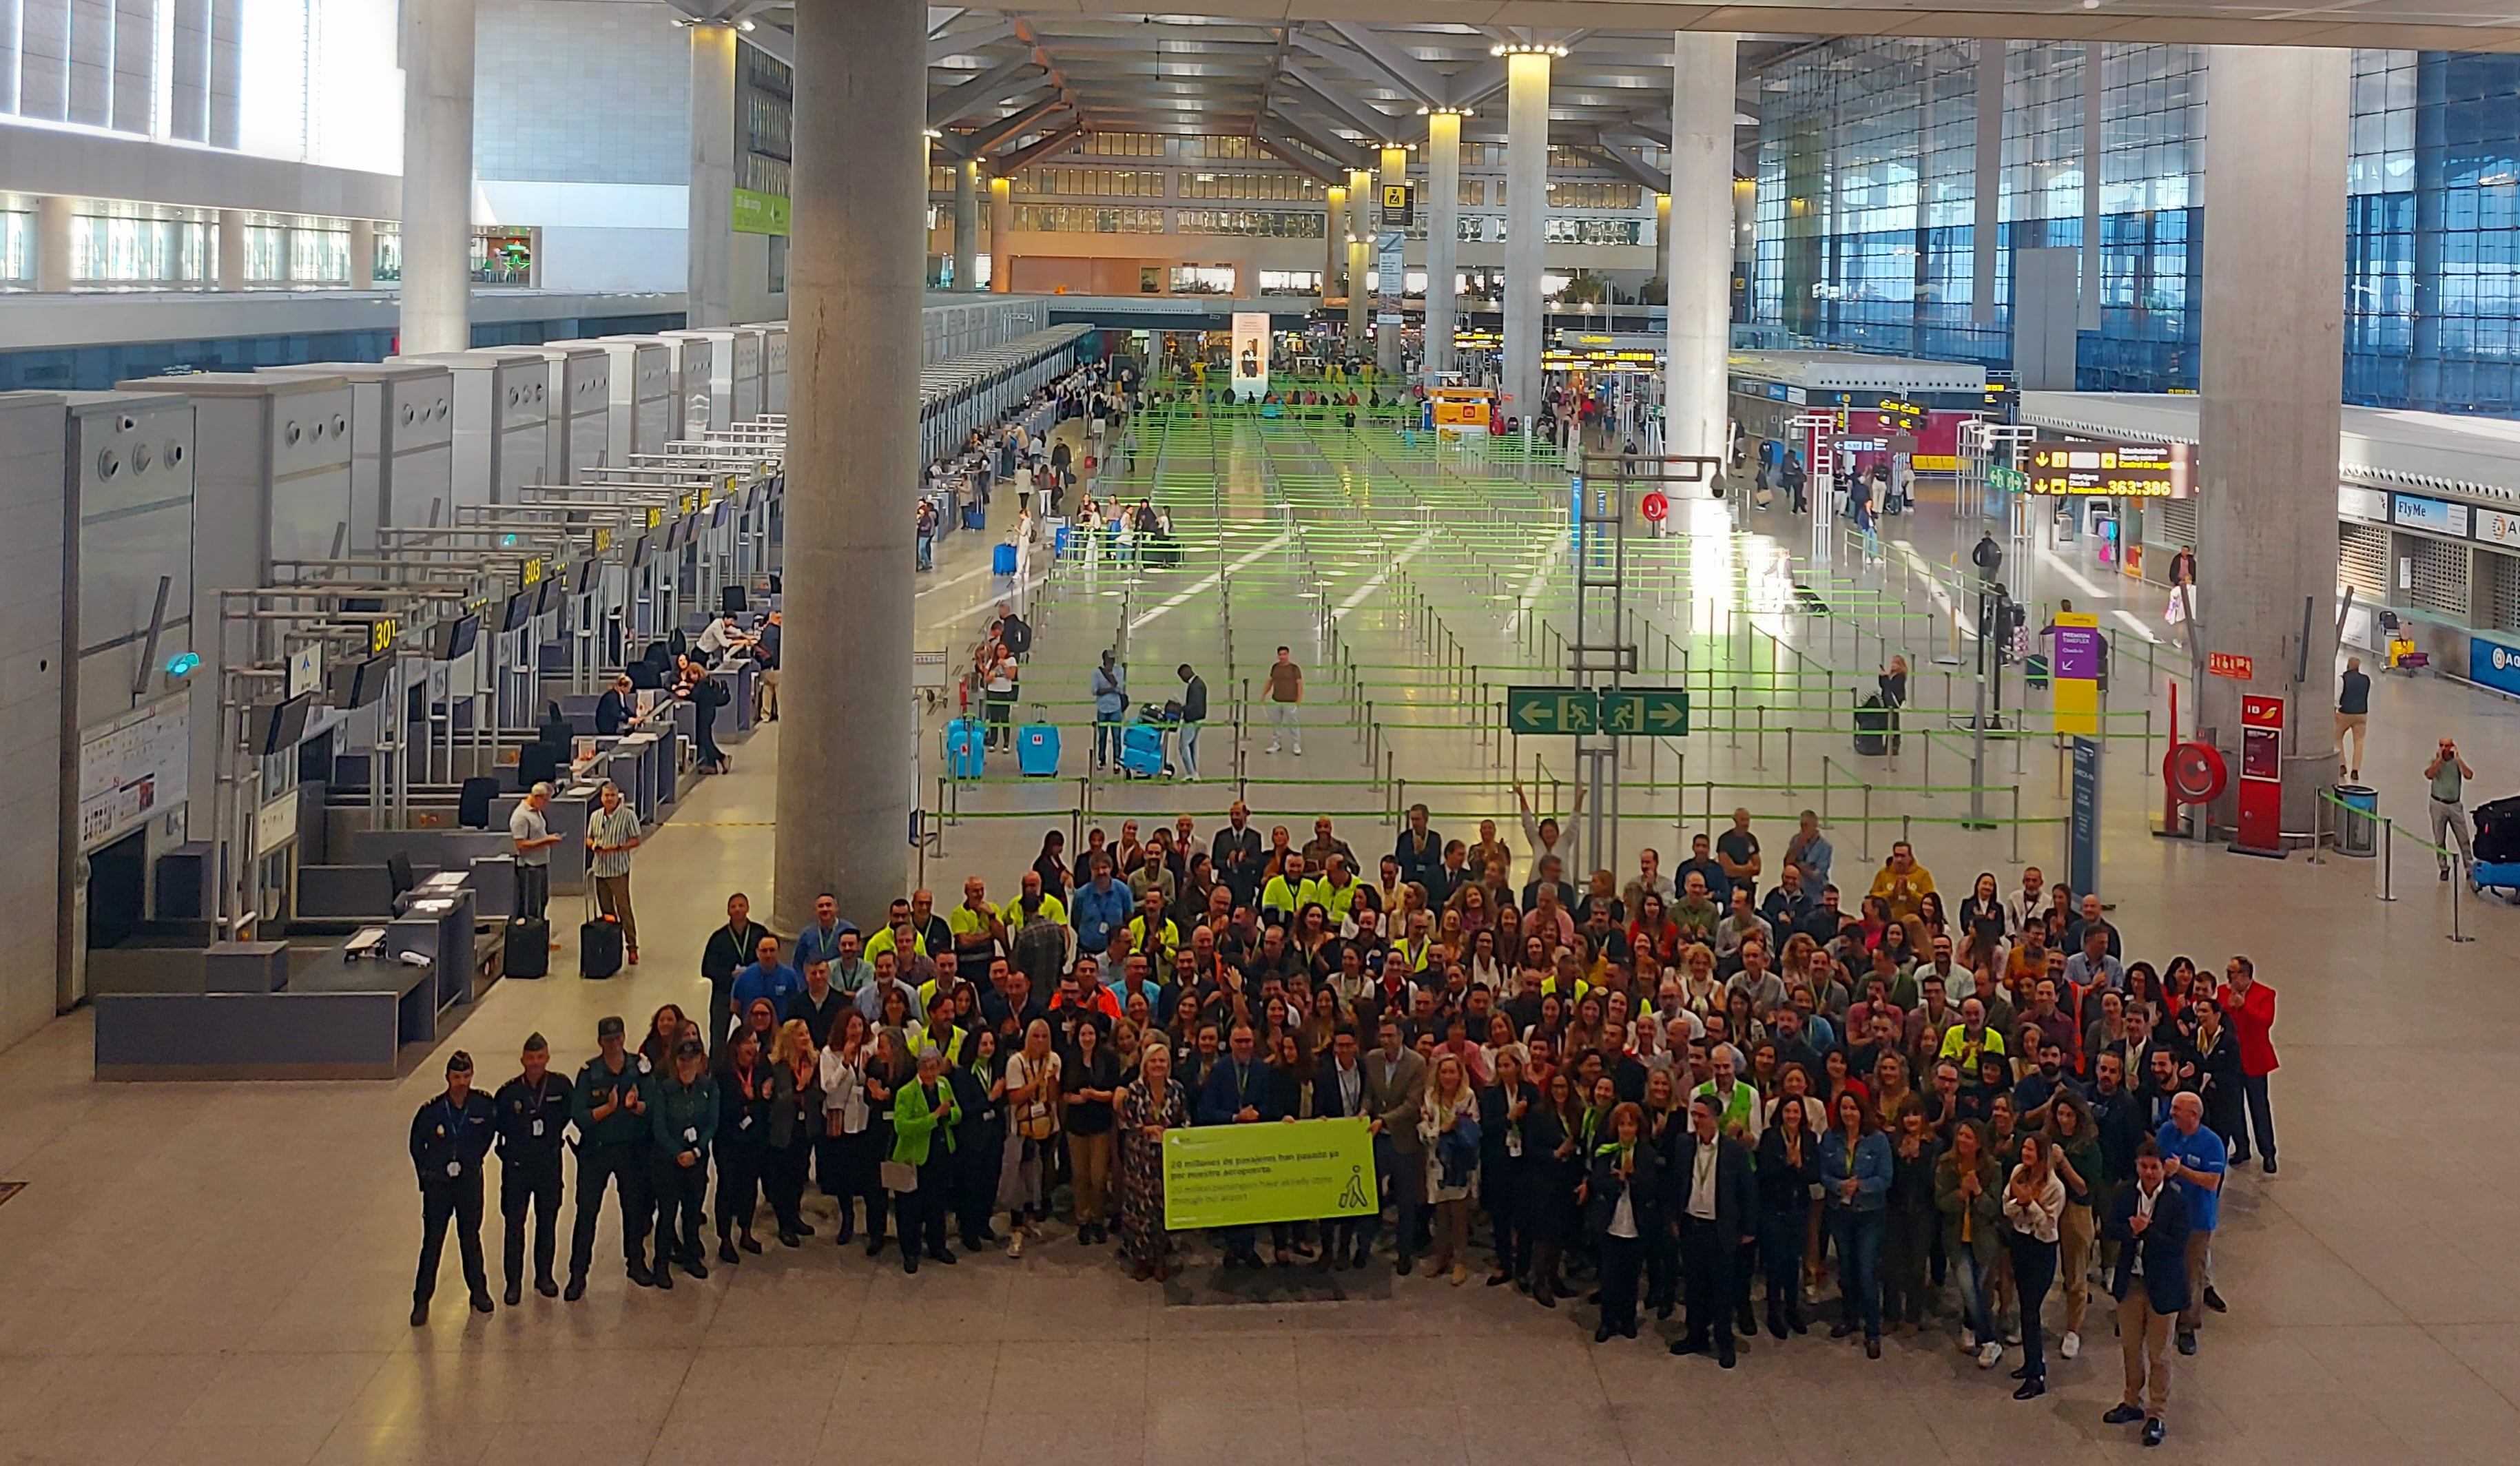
(1330, 145)
(1378, 125)
(1630, 166)
(983, 138)
(1304, 160)
(988, 89)
(1055, 143)
(1371, 61)
(967, 42)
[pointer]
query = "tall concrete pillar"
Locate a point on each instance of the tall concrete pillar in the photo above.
(709, 295)
(856, 263)
(436, 176)
(2274, 292)
(1989, 181)
(1335, 232)
(56, 229)
(231, 227)
(967, 224)
(1002, 235)
(1526, 212)
(363, 255)
(1443, 233)
(1360, 254)
(1387, 301)
(1698, 318)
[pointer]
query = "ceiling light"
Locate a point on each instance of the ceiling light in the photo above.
(1525, 48)
(746, 25)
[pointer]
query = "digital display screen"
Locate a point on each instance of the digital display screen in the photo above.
(2135, 470)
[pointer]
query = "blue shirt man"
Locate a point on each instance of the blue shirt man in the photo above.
(2196, 1159)
(1100, 907)
(767, 977)
(819, 942)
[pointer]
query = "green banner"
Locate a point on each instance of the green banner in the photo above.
(759, 213)
(1623, 712)
(1245, 1174)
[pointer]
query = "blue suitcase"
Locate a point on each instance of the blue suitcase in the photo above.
(1037, 746)
(975, 514)
(1002, 561)
(966, 747)
(1141, 750)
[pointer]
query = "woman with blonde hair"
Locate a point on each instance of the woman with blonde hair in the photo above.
(1032, 1128)
(1152, 1103)
(1449, 1126)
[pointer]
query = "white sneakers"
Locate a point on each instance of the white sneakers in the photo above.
(1014, 1245)
(2071, 1344)
(1968, 1341)
(1272, 748)
(1989, 1356)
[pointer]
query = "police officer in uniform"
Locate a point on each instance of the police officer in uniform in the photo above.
(609, 1108)
(533, 1117)
(450, 1138)
(684, 1124)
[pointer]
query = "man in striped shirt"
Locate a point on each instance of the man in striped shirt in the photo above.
(610, 835)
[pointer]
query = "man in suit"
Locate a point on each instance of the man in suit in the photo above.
(1238, 855)
(1395, 1087)
(1339, 1094)
(2148, 1222)
(1236, 1092)
(1710, 1195)
(1420, 852)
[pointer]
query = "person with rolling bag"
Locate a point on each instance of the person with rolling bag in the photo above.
(611, 933)
(528, 945)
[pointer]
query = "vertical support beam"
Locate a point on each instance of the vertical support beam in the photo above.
(1359, 252)
(231, 275)
(436, 178)
(55, 227)
(1442, 234)
(1387, 301)
(2095, 139)
(1334, 235)
(856, 262)
(1989, 181)
(363, 255)
(2275, 290)
(1001, 236)
(967, 224)
(1526, 211)
(708, 294)
(1699, 315)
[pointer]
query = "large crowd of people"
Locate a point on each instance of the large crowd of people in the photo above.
(1725, 1091)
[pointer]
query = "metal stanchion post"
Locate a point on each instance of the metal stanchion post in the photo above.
(2017, 824)
(1759, 749)
(2387, 858)
(2457, 880)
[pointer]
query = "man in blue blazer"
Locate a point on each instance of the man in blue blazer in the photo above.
(2148, 1221)
(1236, 1092)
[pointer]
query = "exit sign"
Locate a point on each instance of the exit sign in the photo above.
(2229, 664)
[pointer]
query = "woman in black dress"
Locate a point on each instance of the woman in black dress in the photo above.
(1551, 1169)
(1504, 1153)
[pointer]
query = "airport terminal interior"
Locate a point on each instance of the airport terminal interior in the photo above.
(1537, 542)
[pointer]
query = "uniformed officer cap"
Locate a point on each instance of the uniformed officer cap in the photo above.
(459, 1062)
(690, 1050)
(608, 1028)
(534, 1043)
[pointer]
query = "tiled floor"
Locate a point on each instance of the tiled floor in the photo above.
(204, 1273)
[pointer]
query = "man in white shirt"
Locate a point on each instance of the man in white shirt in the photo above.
(2028, 904)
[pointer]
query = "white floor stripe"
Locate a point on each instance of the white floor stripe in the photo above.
(1375, 582)
(1210, 581)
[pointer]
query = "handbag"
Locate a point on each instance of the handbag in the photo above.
(898, 1177)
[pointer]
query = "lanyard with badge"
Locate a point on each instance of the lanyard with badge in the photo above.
(540, 1094)
(454, 1165)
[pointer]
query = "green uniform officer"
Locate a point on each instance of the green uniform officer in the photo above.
(683, 1124)
(608, 1105)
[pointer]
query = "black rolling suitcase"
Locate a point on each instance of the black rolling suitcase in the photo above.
(2497, 831)
(527, 949)
(599, 947)
(1873, 727)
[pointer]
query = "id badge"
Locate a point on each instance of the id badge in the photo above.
(455, 1169)
(690, 1135)
(1513, 1143)
(745, 1124)
(538, 1129)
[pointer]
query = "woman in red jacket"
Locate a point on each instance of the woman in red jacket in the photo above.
(2249, 1010)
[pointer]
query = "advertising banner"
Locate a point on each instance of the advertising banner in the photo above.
(2076, 674)
(1250, 355)
(1245, 1174)
(760, 213)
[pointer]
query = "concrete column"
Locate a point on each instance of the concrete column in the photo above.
(1334, 237)
(967, 224)
(1989, 181)
(231, 275)
(1001, 236)
(1699, 321)
(436, 176)
(363, 255)
(1442, 234)
(709, 233)
(1386, 337)
(56, 229)
(2094, 96)
(1360, 254)
(2274, 292)
(856, 262)
(1526, 212)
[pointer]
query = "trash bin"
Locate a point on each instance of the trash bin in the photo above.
(2358, 831)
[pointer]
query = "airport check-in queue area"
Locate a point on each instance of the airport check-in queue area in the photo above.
(315, 601)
